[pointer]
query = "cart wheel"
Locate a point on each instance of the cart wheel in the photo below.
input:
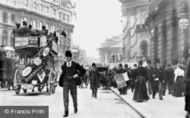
(39, 89)
(25, 90)
(53, 89)
(17, 91)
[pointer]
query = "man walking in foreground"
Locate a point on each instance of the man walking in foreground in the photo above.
(69, 79)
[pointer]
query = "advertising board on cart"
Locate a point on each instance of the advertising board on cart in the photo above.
(25, 41)
(43, 41)
(21, 41)
(54, 47)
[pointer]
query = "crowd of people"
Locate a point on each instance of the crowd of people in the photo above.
(148, 81)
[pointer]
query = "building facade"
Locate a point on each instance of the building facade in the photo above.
(54, 14)
(111, 50)
(170, 42)
(136, 38)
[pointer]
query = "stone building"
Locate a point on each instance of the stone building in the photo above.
(136, 38)
(112, 47)
(170, 41)
(54, 14)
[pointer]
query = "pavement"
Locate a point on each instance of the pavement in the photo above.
(170, 107)
(107, 105)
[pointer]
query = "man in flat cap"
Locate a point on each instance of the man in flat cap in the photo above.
(69, 79)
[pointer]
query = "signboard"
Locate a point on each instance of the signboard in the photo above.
(21, 41)
(119, 78)
(43, 41)
(32, 40)
(126, 77)
(54, 47)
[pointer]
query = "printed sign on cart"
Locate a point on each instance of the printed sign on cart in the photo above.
(43, 41)
(21, 41)
(33, 40)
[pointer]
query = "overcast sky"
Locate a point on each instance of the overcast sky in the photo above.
(96, 21)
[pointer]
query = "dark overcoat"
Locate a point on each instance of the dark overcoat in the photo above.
(94, 79)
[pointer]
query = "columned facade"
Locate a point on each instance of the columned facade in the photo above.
(170, 42)
(136, 37)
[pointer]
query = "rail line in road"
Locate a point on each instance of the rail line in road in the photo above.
(133, 108)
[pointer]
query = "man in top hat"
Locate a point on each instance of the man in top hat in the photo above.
(157, 80)
(71, 72)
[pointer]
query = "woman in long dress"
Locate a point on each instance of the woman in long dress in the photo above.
(178, 81)
(140, 86)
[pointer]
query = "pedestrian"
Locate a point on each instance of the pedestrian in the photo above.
(69, 79)
(170, 78)
(187, 94)
(133, 76)
(149, 76)
(94, 80)
(178, 81)
(121, 71)
(127, 70)
(140, 93)
(158, 80)
(164, 79)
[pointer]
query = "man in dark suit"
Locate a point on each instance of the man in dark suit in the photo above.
(71, 72)
(149, 76)
(158, 80)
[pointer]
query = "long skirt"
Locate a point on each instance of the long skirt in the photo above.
(140, 90)
(187, 98)
(179, 87)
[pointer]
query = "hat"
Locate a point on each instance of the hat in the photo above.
(93, 64)
(68, 53)
(157, 61)
(140, 62)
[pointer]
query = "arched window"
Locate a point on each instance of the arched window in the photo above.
(4, 37)
(144, 48)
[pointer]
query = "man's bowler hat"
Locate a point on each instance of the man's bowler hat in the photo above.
(68, 53)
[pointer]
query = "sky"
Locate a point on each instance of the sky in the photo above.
(96, 21)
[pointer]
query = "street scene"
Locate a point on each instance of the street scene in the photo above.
(95, 58)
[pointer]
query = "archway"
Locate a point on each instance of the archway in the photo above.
(144, 48)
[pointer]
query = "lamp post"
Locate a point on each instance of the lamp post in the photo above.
(184, 24)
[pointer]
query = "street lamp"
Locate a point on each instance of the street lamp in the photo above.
(183, 22)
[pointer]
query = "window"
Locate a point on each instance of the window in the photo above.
(63, 16)
(60, 15)
(34, 5)
(13, 18)
(47, 10)
(26, 2)
(53, 28)
(4, 37)
(26, 19)
(47, 26)
(41, 8)
(68, 18)
(41, 25)
(68, 32)
(34, 24)
(5, 17)
(21, 21)
(54, 12)
(13, 2)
